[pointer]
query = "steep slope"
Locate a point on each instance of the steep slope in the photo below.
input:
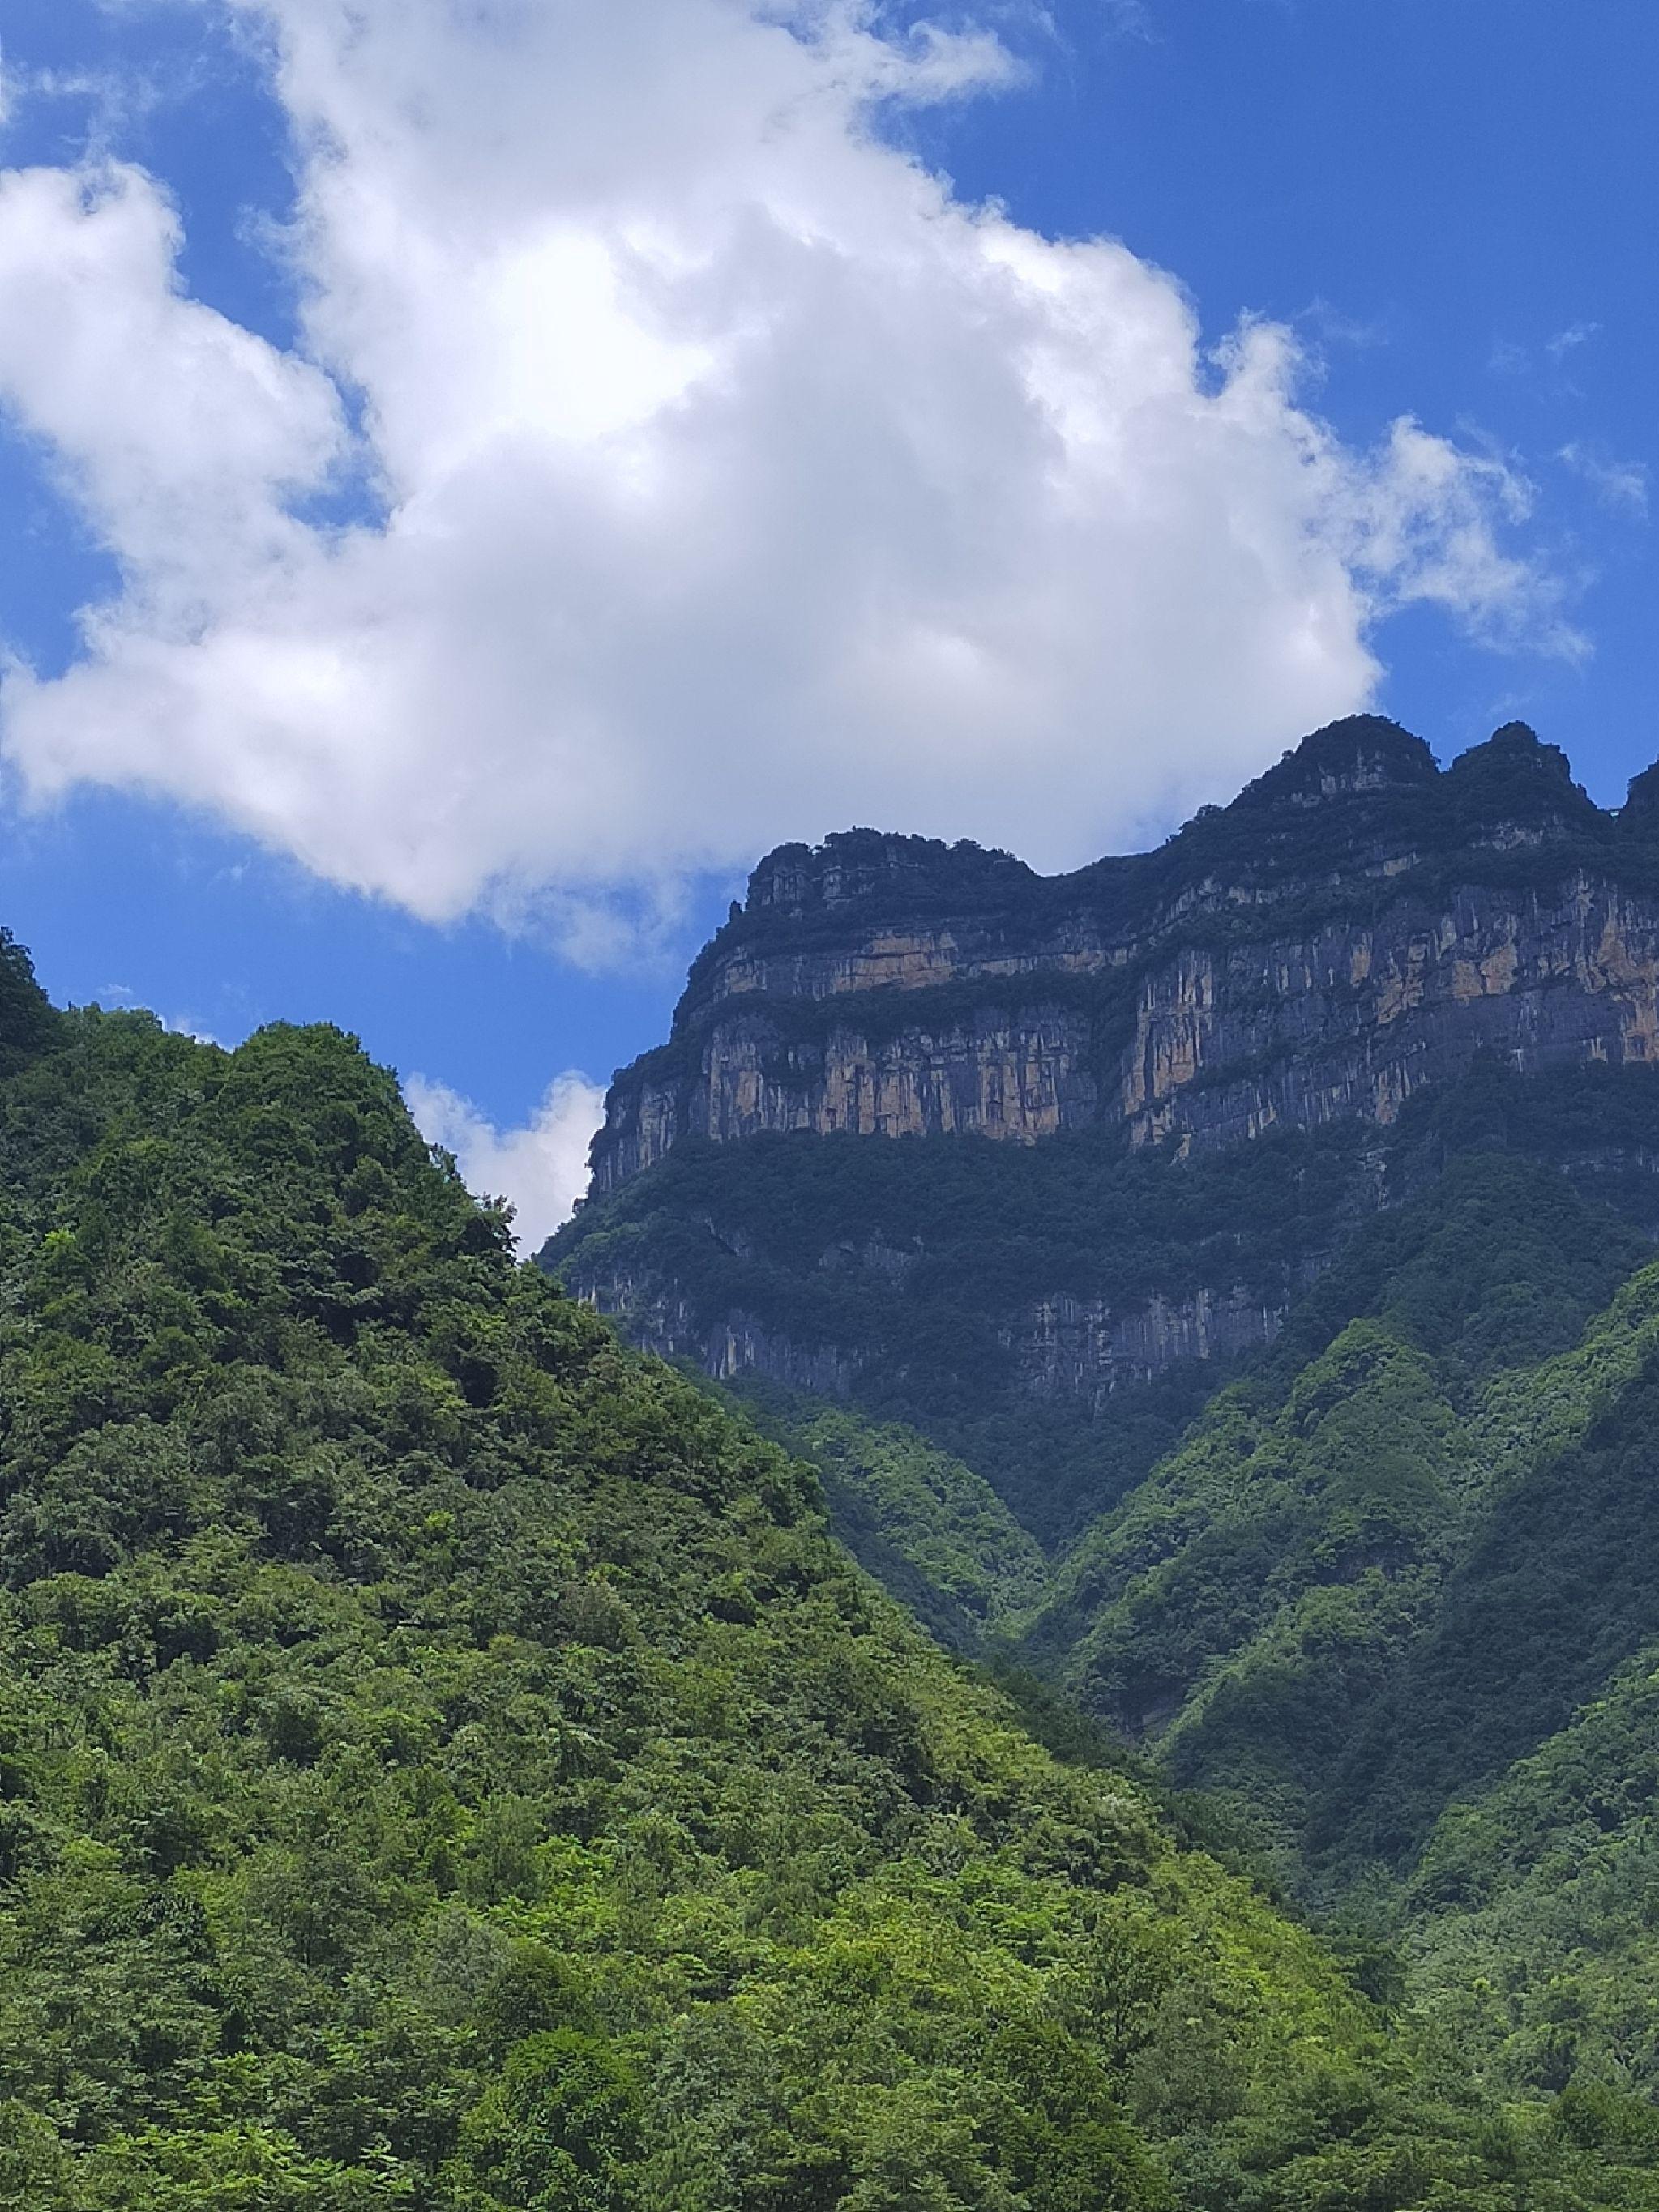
(1395, 1604)
(1530, 1915)
(1551, 1590)
(1051, 1313)
(1301, 1601)
(445, 1763)
(926, 1526)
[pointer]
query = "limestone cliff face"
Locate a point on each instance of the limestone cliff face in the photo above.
(1356, 925)
(653, 1316)
(1016, 1072)
(1062, 1347)
(1084, 1350)
(1352, 1020)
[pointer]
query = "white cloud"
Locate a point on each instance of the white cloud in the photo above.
(188, 1026)
(737, 481)
(542, 1169)
(1620, 485)
(1425, 532)
(1569, 340)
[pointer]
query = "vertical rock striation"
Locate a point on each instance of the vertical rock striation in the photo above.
(1357, 924)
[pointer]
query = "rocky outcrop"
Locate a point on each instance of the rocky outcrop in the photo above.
(1019, 1072)
(1294, 1033)
(1084, 1350)
(1358, 924)
(1063, 1347)
(657, 1319)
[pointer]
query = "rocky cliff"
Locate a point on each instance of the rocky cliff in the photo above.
(1211, 1065)
(1357, 924)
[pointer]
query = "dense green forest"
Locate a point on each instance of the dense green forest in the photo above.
(1395, 1606)
(1382, 1595)
(929, 1527)
(1323, 1515)
(446, 1762)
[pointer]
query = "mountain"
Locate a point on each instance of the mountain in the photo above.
(446, 1762)
(1271, 1232)
(1354, 926)
(1199, 1069)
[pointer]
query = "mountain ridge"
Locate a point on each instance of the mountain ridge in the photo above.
(1377, 1583)
(1304, 998)
(447, 1765)
(1356, 923)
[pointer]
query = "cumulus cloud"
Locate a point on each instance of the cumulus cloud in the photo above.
(731, 479)
(542, 1168)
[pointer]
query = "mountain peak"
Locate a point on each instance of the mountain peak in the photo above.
(1360, 753)
(1262, 970)
(853, 863)
(1640, 811)
(1514, 778)
(1515, 751)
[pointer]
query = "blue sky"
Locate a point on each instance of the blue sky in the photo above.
(1448, 210)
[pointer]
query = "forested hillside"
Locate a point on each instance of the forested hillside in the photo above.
(1395, 1603)
(1390, 1603)
(447, 1764)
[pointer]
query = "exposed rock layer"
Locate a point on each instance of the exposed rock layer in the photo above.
(1081, 1348)
(1356, 925)
(653, 1316)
